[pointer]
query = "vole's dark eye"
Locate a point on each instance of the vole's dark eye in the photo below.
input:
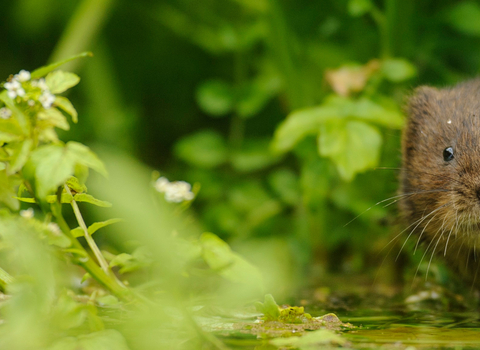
(448, 154)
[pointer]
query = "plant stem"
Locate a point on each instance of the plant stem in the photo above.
(91, 242)
(88, 264)
(381, 21)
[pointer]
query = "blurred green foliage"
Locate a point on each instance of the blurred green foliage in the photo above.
(279, 110)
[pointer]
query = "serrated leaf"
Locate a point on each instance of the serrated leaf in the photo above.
(352, 146)
(54, 164)
(65, 104)
(398, 69)
(86, 157)
(300, 124)
(20, 155)
(54, 117)
(59, 81)
(268, 308)
(83, 197)
(368, 110)
(42, 71)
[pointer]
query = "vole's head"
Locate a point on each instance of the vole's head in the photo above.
(441, 163)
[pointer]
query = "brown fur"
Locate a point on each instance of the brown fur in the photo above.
(441, 205)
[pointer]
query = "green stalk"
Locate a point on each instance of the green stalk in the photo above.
(88, 264)
(91, 243)
(381, 21)
(85, 24)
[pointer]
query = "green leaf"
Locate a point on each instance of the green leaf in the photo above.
(86, 157)
(74, 184)
(54, 117)
(66, 198)
(358, 8)
(65, 104)
(78, 232)
(219, 257)
(386, 114)
(353, 146)
(26, 199)
(20, 155)
(398, 69)
(465, 17)
(59, 81)
(300, 124)
(215, 97)
(54, 164)
(104, 340)
(205, 149)
(42, 71)
(254, 155)
(8, 186)
(83, 197)
(17, 113)
(268, 308)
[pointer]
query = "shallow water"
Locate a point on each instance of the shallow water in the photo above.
(445, 322)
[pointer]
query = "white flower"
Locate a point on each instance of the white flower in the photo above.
(47, 99)
(40, 83)
(175, 192)
(5, 113)
(14, 89)
(161, 184)
(27, 214)
(22, 76)
(54, 228)
(31, 103)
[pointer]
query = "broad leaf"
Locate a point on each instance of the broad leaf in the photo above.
(300, 124)
(398, 69)
(65, 104)
(353, 146)
(21, 152)
(54, 117)
(54, 164)
(60, 81)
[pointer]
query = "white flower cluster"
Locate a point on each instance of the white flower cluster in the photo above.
(14, 88)
(27, 213)
(176, 191)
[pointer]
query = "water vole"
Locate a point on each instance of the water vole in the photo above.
(440, 179)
